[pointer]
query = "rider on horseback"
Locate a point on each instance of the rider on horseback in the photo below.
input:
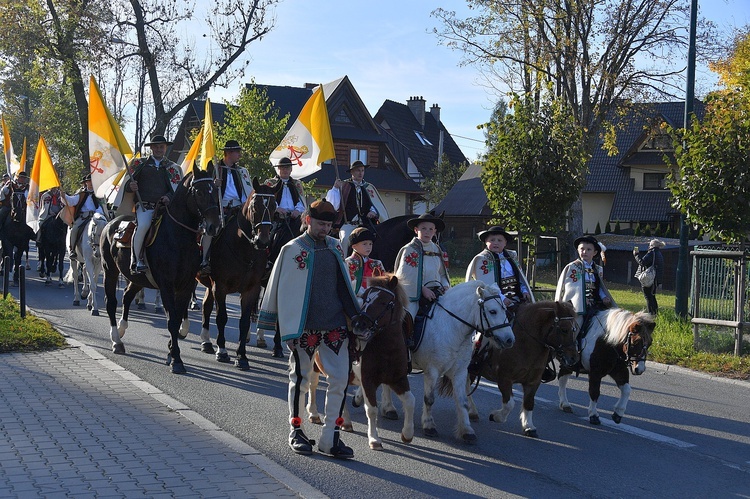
(86, 204)
(50, 205)
(155, 179)
(10, 190)
(236, 187)
(290, 197)
(581, 282)
(420, 266)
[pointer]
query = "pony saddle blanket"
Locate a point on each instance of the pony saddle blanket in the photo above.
(124, 233)
(418, 329)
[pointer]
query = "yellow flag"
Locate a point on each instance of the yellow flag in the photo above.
(23, 157)
(107, 144)
(308, 143)
(208, 148)
(43, 177)
(11, 162)
(192, 155)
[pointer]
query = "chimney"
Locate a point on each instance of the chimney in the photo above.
(417, 107)
(435, 112)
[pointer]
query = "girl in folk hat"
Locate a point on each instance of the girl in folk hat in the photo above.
(420, 267)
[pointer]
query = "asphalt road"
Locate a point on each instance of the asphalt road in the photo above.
(683, 435)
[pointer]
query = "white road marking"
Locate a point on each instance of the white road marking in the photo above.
(649, 435)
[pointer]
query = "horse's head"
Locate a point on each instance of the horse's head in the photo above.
(383, 304)
(639, 338)
(95, 228)
(493, 320)
(258, 211)
(205, 197)
(18, 208)
(562, 334)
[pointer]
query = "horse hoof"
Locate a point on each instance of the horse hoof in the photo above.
(222, 357)
(616, 418)
(567, 409)
(474, 417)
(430, 432)
(141, 306)
(406, 440)
(76, 303)
(261, 343)
(178, 368)
(594, 420)
(278, 353)
(159, 310)
(89, 307)
(28, 267)
(47, 283)
(119, 348)
(531, 433)
(95, 312)
(392, 415)
(315, 419)
(376, 446)
(492, 418)
(242, 364)
(60, 284)
(469, 438)
(347, 427)
(207, 347)
(183, 334)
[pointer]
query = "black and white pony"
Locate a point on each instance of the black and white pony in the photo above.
(616, 344)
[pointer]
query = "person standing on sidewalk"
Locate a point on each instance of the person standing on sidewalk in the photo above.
(652, 257)
(309, 298)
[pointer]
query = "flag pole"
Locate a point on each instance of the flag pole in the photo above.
(129, 168)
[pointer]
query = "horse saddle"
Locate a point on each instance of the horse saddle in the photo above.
(123, 237)
(418, 325)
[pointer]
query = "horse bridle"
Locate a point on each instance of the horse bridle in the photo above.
(200, 212)
(556, 328)
(373, 325)
(630, 358)
(486, 331)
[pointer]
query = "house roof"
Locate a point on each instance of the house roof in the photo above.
(467, 197)
(383, 180)
(401, 124)
(611, 174)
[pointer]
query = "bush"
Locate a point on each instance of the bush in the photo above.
(598, 229)
(618, 230)
(29, 334)
(607, 228)
(637, 231)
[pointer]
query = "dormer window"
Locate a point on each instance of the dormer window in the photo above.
(657, 141)
(422, 138)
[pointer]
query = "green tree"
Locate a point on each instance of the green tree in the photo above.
(254, 122)
(442, 178)
(712, 183)
(607, 228)
(536, 166)
(585, 49)
(618, 229)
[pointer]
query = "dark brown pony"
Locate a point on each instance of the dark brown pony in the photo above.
(383, 361)
(238, 261)
(617, 340)
(539, 328)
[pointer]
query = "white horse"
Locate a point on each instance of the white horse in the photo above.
(89, 256)
(445, 351)
(617, 339)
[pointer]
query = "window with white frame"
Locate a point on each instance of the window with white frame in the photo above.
(654, 181)
(358, 155)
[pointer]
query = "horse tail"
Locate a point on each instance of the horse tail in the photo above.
(445, 386)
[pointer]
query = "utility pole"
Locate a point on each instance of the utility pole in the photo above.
(683, 268)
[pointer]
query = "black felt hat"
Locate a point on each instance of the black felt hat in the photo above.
(356, 164)
(426, 217)
(590, 240)
(156, 140)
(495, 229)
(232, 145)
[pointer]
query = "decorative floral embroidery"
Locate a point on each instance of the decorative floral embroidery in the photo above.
(574, 275)
(174, 175)
(485, 267)
(309, 341)
(412, 259)
(301, 260)
(334, 339)
(353, 267)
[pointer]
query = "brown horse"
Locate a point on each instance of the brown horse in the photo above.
(238, 262)
(539, 328)
(616, 340)
(383, 361)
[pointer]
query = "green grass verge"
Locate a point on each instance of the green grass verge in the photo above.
(30, 334)
(673, 338)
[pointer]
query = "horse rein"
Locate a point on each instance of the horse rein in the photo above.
(200, 212)
(555, 328)
(631, 358)
(482, 318)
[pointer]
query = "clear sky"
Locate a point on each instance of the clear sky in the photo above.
(387, 50)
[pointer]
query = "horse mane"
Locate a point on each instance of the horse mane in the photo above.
(400, 292)
(620, 321)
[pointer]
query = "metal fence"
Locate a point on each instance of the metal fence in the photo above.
(718, 295)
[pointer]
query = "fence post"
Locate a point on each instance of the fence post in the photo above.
(696, 301)
(741, 263)
(22, 290)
